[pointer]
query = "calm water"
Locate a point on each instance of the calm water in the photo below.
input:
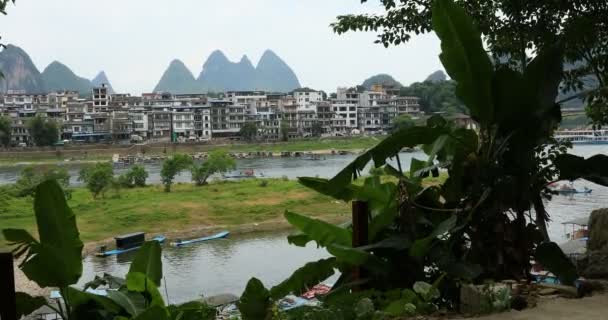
(221, 266)
(224, 266)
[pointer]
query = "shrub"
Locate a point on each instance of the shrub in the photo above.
(172, 166)
(30, 177)
(135, 177)
(217, 162)
(263, 183)
(98, 178)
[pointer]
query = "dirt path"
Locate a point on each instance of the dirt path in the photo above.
(590, 308)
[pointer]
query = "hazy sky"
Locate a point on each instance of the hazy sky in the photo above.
(134, 40)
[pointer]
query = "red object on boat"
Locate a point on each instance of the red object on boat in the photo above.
(319, 289)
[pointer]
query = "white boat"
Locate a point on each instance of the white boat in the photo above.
(583, 136)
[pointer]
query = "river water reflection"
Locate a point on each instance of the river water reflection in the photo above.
(224, 266)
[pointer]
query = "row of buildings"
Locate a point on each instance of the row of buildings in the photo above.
(188, 117)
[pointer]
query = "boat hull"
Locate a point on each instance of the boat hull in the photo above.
(160, 239)
(220, 235)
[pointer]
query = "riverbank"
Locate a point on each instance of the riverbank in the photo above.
(92, 153)
(187, 210)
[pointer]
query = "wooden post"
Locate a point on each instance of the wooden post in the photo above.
(360, 212)
(360, 223)
(8, 301)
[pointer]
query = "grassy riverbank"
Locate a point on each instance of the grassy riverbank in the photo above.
(187, 207)
(84, 154)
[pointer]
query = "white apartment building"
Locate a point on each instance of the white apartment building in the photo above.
(307, 99)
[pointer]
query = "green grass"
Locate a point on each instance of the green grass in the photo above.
(357, 143)
(187, 206)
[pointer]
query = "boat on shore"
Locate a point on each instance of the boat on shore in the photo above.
(127, 243)
(582, 137)
(220, 235)
(569, 189)
(247, 174)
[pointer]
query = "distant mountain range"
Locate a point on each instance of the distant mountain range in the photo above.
(220, 74)
(20, 73)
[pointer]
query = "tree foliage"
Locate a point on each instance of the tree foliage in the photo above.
(44, 132)
(512, 30)
(173, 166)
(98, 178)
(403, 121)
(135, 177)
(5, 131)
(249, 131)
(30, 177)
(435, 96)
(284, 131)
(316, 129)
(217, 162)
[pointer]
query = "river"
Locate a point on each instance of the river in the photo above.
(224, 266)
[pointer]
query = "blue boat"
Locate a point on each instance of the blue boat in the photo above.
(574, 191)
(118, 251)
(220, 235)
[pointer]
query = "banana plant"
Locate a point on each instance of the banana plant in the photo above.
(479, 222)
(53, 260)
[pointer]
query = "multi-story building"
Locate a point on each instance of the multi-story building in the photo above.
(101, 99)
(307, 98)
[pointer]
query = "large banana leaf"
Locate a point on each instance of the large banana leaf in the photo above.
(193, 310)
(464, 58)
(138, 282)
(553, 258)
(309, 275)
(153, 313)
(594, 169)
(255, 301)
(27, 304)
(322, 232)
(55, 260)
(132, 302)
(148, 262)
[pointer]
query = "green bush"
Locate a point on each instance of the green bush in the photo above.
(172, 166)
(135, 177)
(98, 178)
(218, 162)
(30, 177)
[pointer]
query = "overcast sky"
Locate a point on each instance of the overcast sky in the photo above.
(134, 40)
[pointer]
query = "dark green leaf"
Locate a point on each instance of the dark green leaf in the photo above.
(320, 231)
(553, 259)
(421, 246)
(153, 313)
(324, 186)
(138, 282)
(59, 245)
(193, 310)
(255, 301)
(148, 262)
(27, 304)
(133, 303)
(543, 76)
(308, 276)
(594, 169)
(81, 301)
(464, 58)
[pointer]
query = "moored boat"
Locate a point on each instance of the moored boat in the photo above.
(127, 243)
(220, 235)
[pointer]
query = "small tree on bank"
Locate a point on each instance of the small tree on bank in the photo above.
(98, 178)
(249, 131)
(284, 130)
(172, 166)
(403, 121)
(5, 131)
(218, 162)
(30, 177)
(43, 132)
(135, 177)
